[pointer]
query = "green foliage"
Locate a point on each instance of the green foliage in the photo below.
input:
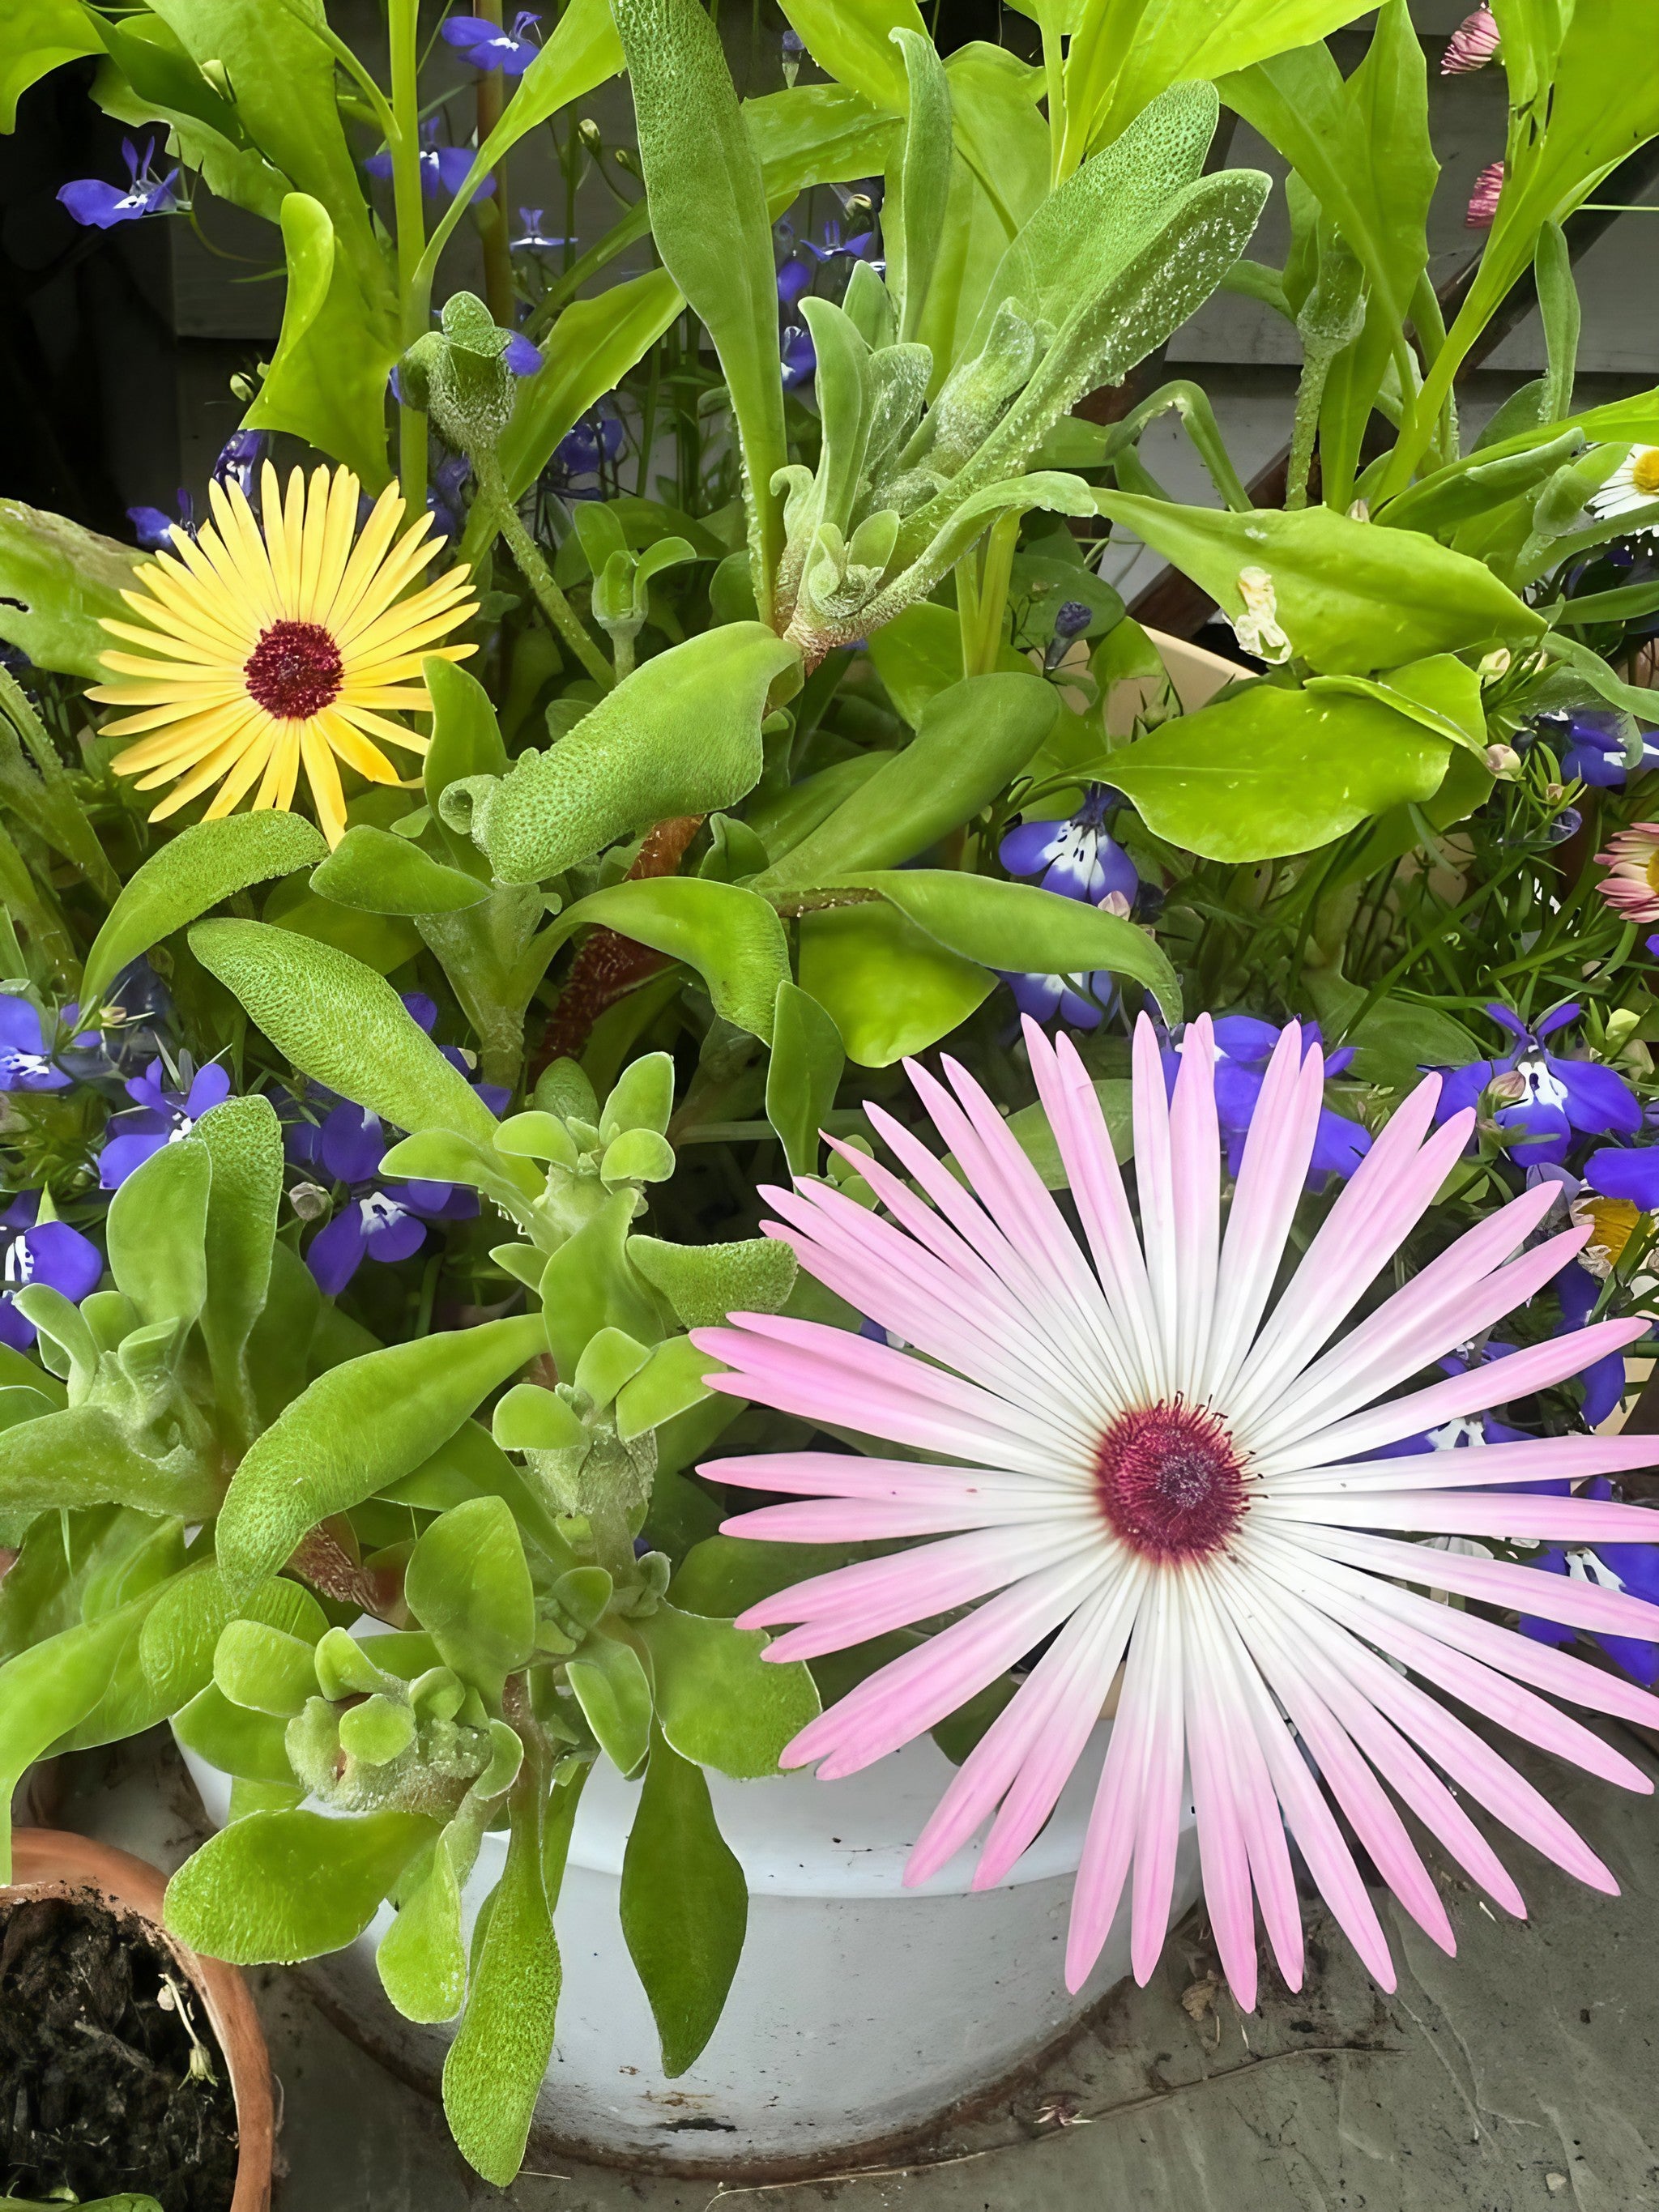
(57, 582)
(277, 1887)
(684, 1906)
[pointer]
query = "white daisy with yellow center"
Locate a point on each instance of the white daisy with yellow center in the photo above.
(1633, 484)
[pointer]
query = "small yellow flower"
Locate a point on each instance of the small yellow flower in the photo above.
(269, 650)
(1613, 1222)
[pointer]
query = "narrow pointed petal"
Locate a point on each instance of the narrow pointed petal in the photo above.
(1271, 1177)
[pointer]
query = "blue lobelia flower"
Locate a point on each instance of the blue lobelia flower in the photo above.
(34, 1251)
(153, 527)
(791, 50)
(535, 240)
(522, 356)
(25, 1055)
(1633, 1567)
(1589, 744)
(425, 1011)
(443, 168)
(97, 206)
(378, 1220)
(573, 471)
(487, 46)
(1077, 857)
(158, 1117)
(445, 494)
(239, 459)
(799, 356)
(1558, 1099)
(1243, 1047)
(834, 247)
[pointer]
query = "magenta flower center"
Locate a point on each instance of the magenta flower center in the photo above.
(1170, 1483)
(295, 671)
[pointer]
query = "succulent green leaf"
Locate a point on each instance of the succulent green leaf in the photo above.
(342, 1025)
(251, 1746)
(608, 1359)
(704, 1283)
(531, 1419)
(1350, 598)
(244, 1144)
(803, 1075)
(679, 736)
(57, 581)
(732, 939)
(718, 1700)
(203, 864)
(671, 1380)
(379, 874)
(265, 1668)
(637, 1156)
(156, 1232)
(377, 1731)
(614, 1693)
(79, 1457)
(496, 2066)
(641, 1098)
(710, 225)
(468, 1585)
(1020, 926)
(359, 1426)
(180, 1635)
(890, 988)
(1269, 772)
(971, 741)
(46, 1690)
(591, 1284)
(684, 1906)
(283, 1887)
(855, 45)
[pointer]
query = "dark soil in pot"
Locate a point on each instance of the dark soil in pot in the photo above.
(106, 2084)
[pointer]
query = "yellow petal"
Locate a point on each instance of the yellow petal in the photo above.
(337, 541)
(355, 749)
(253, 759)
(366, 558)
(377, 726)
(171, 751)
(170, 648)
(324, 780)
(207, 771)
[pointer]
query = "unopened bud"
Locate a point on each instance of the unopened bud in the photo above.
(590, 134)
(1504, 762)
(310, 1201)
(1359, 512)
(1496, 664)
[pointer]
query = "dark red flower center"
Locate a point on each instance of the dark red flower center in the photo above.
(1169, 1483)
(295, 671)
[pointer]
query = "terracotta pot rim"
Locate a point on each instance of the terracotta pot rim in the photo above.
(45, 1860)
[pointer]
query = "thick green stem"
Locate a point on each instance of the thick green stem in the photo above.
(492, 489)
(414, 281)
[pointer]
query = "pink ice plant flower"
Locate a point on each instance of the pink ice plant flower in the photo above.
(1471, 44)
(1483, 200)
(1632, 886)
(1134, 1449)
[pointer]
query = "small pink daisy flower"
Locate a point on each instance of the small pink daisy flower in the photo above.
(1471, 46)
(1631, 887)
(1138, 1457)
(1483, 201)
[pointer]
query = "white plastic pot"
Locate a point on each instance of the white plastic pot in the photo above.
(861, 2010)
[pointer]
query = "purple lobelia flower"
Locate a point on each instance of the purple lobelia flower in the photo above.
(487, 46)
(834, 247)
(238, 460)
(97, 206)
(1548, 1100)
(153, 527)
(49, 1252)
(1590, 746)
(443, 168)
(1077, 857)
(1243, 1046)
(522, 355)
(377, 1219)
(1631, 1567)
(791, 52)
(25, 1055)
(535, 240)
(799, 356)
(158, 1117)
(425, 1011)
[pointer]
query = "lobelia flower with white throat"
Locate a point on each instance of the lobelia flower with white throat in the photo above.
(1152, 1462)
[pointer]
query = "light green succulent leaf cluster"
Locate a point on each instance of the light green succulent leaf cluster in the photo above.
(458, 374)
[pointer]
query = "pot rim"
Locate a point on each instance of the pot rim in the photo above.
(51, 1862)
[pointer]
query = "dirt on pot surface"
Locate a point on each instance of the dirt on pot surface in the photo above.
(105, 2085)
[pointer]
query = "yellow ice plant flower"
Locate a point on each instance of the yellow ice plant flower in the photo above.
(269, 649)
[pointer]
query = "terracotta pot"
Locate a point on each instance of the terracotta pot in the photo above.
(45, 1862)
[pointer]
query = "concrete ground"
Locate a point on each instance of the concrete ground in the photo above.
(1520, 2074)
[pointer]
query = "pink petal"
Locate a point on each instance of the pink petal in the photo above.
(1155, 1187)
(913, 1693)
(1495, 1384)
(877, 1595)
(845, 1474)
(1195, 1165)
(1023, 1727)
(1554, 1597)
(836, 1521)
(1507, 1514)
(1271, 1176)
(1541, 1459)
